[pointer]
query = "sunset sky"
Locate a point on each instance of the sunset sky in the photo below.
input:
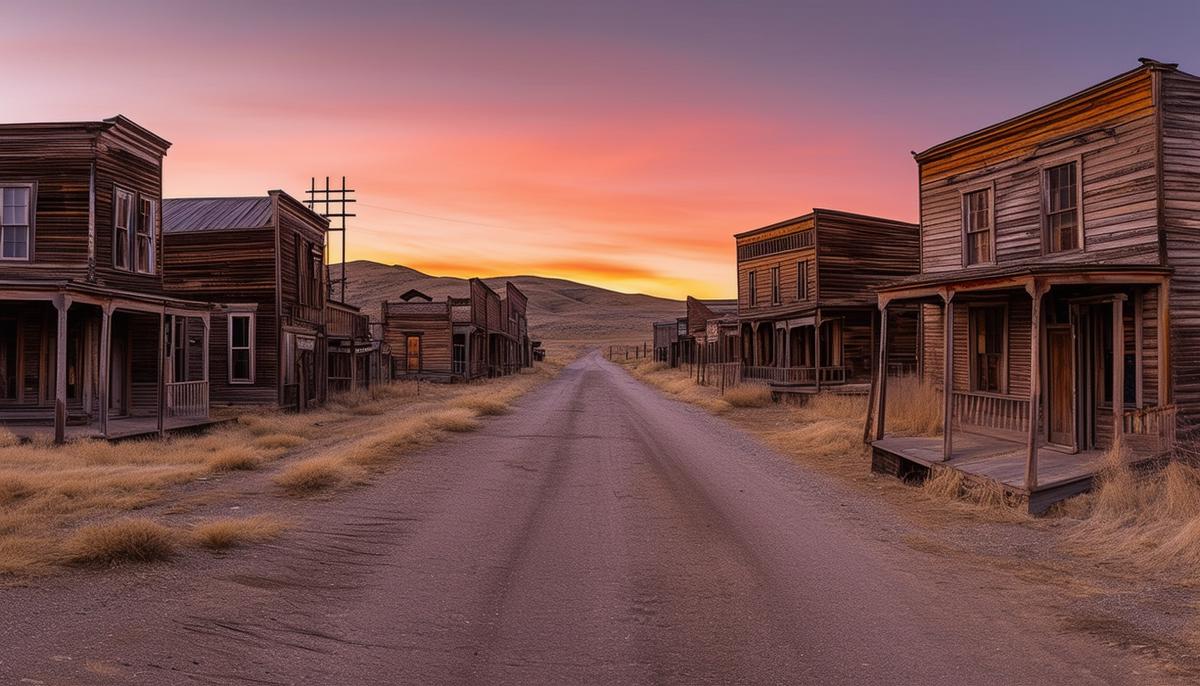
(615, 143)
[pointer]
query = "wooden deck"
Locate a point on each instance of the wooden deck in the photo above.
(118, 429)
(991, 459)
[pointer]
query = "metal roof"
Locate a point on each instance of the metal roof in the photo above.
(216, 214)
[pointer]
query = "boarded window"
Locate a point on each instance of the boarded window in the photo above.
(241, 348)
(14, 223)
(1062, 207)
(146, 228)
(122, 221)
(802, 280)
(775, 295)
(752, 277)
(977, 222)
(987, 349)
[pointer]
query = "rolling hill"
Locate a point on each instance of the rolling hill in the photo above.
(559, 310)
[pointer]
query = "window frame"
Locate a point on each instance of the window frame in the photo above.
(1044, 183)
(127, 253)
(752, 288)
(30, 219)
(251, 347)
(776, 291)
(989, 189)
(973, 351)
(151, 237)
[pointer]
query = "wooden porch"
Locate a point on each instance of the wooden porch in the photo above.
(118, 429)
(991, 460)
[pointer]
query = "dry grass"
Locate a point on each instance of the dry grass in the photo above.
(748, 395)
(314, 475)
(1146, 522)
(123, 540)
(47, 492)
(222, 534)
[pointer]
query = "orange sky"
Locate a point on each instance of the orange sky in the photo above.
(620, 144)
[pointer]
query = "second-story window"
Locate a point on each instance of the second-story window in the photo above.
(775, 295)
(1062, 207)
(977, 226)
(146, 229)
(802, 280)
(752, 293)
(122, 225)
(14, 222)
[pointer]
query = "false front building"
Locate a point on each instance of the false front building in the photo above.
(1059, 287)
(806, 307)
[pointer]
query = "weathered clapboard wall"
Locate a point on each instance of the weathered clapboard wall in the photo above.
(783, 245)
(72, 236)
(1110, 130)
(1180, 210)
(855, 253)
(432, 322)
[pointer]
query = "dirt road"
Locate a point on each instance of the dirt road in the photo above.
(602, 534)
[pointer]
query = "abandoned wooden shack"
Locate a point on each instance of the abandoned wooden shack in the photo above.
(666, 334)
(806, 307)
(263, 257)
(356, 359)
(458, 338)
(712, 330)
(1059, 289)
(91, 344)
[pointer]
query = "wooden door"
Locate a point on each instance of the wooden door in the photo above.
(1060, 386)
(118, 375)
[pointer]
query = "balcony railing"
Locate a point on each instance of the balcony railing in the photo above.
(187, 399)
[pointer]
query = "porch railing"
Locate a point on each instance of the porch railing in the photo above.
(187, 399)
(901, 369)
(1151, 428)
(800, 376)
(991, 411)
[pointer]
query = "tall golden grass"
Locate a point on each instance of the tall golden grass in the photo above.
(1146, 521)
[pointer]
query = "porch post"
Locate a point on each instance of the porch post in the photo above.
(1035, 386)
(948, 376)
(162, 319)
(1118, 366)
(105, 360)
(817, 349)
(62, 303)
(1164, 343)
(205, 339)
(880, 394)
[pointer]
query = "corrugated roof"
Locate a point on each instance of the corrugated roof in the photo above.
(215, 214)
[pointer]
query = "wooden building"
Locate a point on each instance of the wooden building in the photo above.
(458, 339)
(91, 344)
(356, 359)
(806, 306)
(712, 330)
(264, 258)
(1059, 287)
(666, 335)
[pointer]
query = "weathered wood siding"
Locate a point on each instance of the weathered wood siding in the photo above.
(429, 320)
(122, 164)
(857, 253)
(1180, 94)
(787, 261)
(234, 267)
(1112, 131)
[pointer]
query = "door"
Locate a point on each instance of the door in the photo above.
(1060, 386)
(413, 353)
(118, 375)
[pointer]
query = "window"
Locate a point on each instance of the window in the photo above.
(752, 277)
(412, 346)
(316, 264)
(241, 348)
(977, 226)
(14, 222)
(122, 221)
(987, 349)
(775, 297)
(1062, 207)
(146, 230)
(802, 280)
